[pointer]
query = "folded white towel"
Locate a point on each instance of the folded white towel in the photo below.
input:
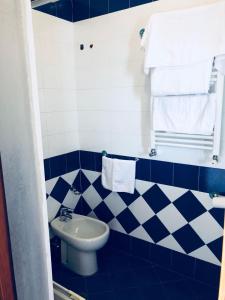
(185, 114)
(182, 80)
(185, 37)
(118, 175)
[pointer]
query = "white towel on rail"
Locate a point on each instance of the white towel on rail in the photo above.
(181, 80)
(118, 175)
(185, 37)
(185, 114)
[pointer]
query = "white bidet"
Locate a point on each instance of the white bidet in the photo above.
(81, 237)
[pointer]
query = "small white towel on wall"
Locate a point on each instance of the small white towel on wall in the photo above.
(184, 80)
(185, 114)
(118, 175)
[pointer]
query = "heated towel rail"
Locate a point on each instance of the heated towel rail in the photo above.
(195, 141)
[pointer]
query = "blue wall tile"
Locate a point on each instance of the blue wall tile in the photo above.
(120, 240)
(128, 220)
(156, 229)
(72, 161)
(189, 206)
(47, 169)
(50, 9)
(143, 169)
(161, 172)
(65, 10)
(182, 263)
(60, 190)
(156, 199)
(140, 248)
(103, 212)
(188, 239)
(216, 247)
(81, 10)
(186, 176)
(139, 2)
(212, 180)
(115, 5)
(58, 165)
(87, 160)
(98, 8)
(160, 255)
(98, 162)
(207, 273)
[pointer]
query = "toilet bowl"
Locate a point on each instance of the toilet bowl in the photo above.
(81, 237)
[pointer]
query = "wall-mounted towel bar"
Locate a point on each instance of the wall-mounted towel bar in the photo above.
(104, 153)
(195, 141)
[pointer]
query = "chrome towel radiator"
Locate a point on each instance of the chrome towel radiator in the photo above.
(195, 141)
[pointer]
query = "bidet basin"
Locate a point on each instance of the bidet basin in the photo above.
(81, 237)
(82, 232)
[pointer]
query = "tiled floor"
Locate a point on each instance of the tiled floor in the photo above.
(122, 277)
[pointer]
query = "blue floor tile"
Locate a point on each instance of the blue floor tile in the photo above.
(98, 282)
(178, 290)
(152, 292)
(167, 275)
(146, 277)
(102, 296)
(123, 280)
(124, 277)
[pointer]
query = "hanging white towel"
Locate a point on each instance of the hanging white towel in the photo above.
(118, 175)
(107, 173)
(185, 114)
(181, 80)
(185, 37)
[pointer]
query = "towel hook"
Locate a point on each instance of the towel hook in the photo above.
(141, 32)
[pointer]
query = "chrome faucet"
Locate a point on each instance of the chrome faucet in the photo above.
(65, 214)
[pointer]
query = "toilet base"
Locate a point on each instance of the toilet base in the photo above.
(80, 262)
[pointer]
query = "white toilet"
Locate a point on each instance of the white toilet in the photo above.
(81, 237)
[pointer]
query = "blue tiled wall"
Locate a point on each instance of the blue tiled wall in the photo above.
(77, 10)
(191, 178)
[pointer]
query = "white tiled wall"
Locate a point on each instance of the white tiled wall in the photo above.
(112, 92)
(54, 41)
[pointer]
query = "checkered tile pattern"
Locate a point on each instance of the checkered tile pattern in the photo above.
(173, 217)
(59, 193)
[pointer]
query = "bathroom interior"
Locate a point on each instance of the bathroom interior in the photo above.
(119, 202)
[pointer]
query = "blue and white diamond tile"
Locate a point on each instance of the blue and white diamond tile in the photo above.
(142, 234)
(53, 208)
(207, 228)
(92, 197)
(188, 239)
(204, 199)
(71, 200)
(189, 206)
(59, 192)
(115, 203)
(155, 228)
(50, 185)
(115, 225)
(171, 218)
(143, 186)
(172, 192)
(141, 210)
(70, 177)
(103, 212)
(206, 254)
(127, 220)
(91, 175)
(155, 198)
(170, 243)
